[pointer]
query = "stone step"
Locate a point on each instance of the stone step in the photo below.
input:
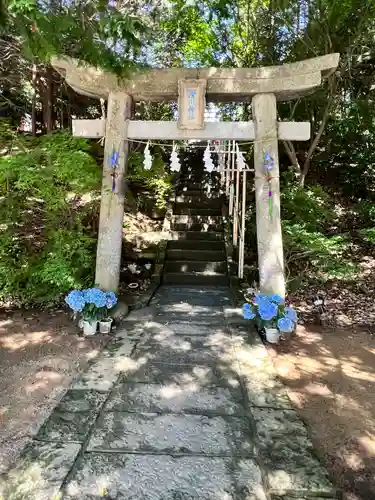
(197, 236)
(196, 266)
(194, 295)
(201, 186)
(190, 254)
(187, 196)
(196, 223)
(197, 245)
(185, 209)
(195, 279)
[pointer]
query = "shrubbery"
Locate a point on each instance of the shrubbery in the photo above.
(48, 211)
(314, 246)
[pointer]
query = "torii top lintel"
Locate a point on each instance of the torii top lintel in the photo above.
(287, 81)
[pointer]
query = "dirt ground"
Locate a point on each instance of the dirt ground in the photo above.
(330, 376)
(40, 354)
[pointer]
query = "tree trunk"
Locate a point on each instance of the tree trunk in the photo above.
(33, 101)
(48, 111)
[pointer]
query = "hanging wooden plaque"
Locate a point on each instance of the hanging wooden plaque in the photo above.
(191, 104)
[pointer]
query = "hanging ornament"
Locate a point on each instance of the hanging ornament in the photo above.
(240, 160)
(208, 163)
(175, 161)
(268, 164)
(147, 161)
(113, 164)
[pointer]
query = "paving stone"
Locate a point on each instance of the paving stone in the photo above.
(172, 434)
(291, 466)
(62, 426)
(299, 497)
(272, 423)
(100, 376)
(299, 482)
(77, 401)
(103, 373)
(120, 349)
(40, 471)
(187, 329)
(201, 376)
(140, 315)
(178, 349)
(266, 391)
(148, 477)
(187, 398)
(193, 296)
(246, 331)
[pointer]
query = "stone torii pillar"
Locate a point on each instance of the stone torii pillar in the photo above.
(108, 259)
(269, 235)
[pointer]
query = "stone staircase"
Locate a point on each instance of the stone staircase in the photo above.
(196, 253)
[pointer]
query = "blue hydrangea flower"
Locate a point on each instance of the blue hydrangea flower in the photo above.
(111, 300)
(291, 314)
(285, 324)
(248, 312)
(276, 298)
(259, 298)
(267, 310)
(95, 296)
(76, 300)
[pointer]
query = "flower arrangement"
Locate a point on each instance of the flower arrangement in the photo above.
(92, 304)
(270, 311)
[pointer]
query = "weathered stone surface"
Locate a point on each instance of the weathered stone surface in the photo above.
(271, 423)
(148, 477)
(269, 236)
(218, 348)
(187, 398)
(120, 312)
(299, 497)
(100, 376)
(140, 315)
(291, 466)
(223, 84)
(266, 390)
(199, 296)
(310, 481)
(168, 433)
(201, 376)
(108, 257)
(119, 350)
(247, 332)
(81, 400)
(64, 427)
(186, 311)
(40, 471)
(103, 373)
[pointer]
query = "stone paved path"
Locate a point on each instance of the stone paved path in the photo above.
(184, 405)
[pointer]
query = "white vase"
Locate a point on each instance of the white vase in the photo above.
(89, 328)
(105, 325)
(272, 335)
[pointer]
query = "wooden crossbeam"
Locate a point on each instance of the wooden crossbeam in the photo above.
(162, 130)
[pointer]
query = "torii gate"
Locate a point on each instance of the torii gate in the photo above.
(263, 85)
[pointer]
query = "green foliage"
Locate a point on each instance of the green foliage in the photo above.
(312, 205)
(48, 202)
(311, 251)
(368, 234)
(155, 184)
(109, 37)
